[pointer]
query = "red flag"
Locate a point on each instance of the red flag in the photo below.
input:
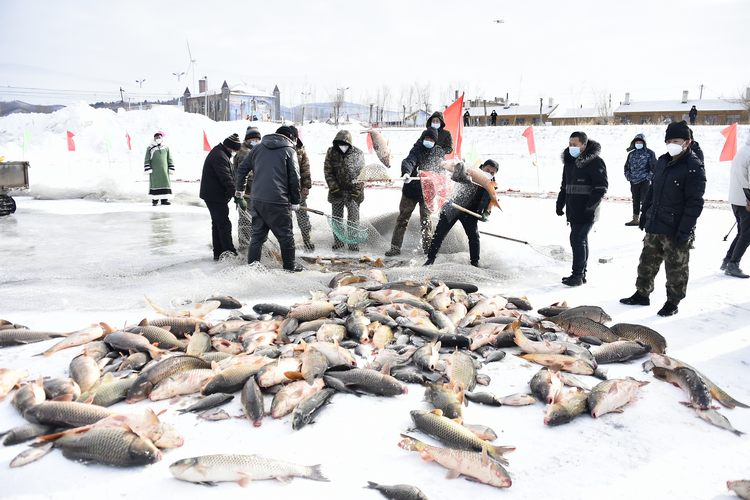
(529, 135)
(436, 189)
(369, 143)
(71, 144)
(206, 145)
(730, 147)
(453, 116)
(127, 136)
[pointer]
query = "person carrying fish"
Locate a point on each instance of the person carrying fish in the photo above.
(273, 163)
(217, 188)
(426, 155)
(669, 214)
(639, 169)
(342, 166)
(303, 220)
(159, 166)
(584, 184)
(252, 138)
(445, 138)
(472, 197)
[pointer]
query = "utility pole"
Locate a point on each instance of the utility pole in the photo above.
(541, 102)
(701, 96)
(122, 99)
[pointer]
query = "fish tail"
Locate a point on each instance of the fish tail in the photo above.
(371, 485)
(316, 474)
(497, 453)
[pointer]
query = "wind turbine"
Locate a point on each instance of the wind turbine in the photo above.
(498, 21)
(192, 63)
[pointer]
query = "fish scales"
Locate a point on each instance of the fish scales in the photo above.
(109, 446)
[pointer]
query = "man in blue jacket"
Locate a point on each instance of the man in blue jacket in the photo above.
(669, 214)
(639, 169)
(584, 184)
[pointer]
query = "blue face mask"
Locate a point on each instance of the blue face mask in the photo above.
(639, 146)
(574, 151)
(435, 125)
(428, 144)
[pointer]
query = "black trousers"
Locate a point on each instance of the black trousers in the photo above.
(276, 218)
(742, 240)
(448, 219)
(221, 228)
(639, 193)
(579, 243)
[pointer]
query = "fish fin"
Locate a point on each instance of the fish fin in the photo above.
(459, 421)
(437, 412)
(564, 304)
(293, 375)
(106, 328)
(283, 479)
(65, 398)
(90, 400)
(215, 367)
(144, 322)
(485, 457)
(452, 474)
(207, 483)
(175, 399)
(161, 413)
(245, 481)
(386, 370)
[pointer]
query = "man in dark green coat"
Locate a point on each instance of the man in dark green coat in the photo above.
(158, 164)
(342, 166)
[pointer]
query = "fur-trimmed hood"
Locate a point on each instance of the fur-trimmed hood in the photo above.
(593, 149)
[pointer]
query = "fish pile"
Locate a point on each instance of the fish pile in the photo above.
(361, 335)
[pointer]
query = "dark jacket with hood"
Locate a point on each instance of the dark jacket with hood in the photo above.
(305, 179)
(341, 170)
(421, 158)
(636, 169)
(245, 149)
(675, 199)
(217, 185)
(584, 183)
(445, 138)
(467, 194)
(273, 163)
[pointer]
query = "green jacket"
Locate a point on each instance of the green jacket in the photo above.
(245, 148)
(342, 170)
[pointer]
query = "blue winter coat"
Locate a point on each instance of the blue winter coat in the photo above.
(634, 172)
(675, 199)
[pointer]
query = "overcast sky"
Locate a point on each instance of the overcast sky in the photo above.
(567, 50)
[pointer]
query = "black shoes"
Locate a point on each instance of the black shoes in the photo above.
(430, 261)
(393, 252)
(724, 265)
(567, 278)
(154, 203)
(294, 269)
(228, 254)
(735, 271)
(164, 202)
(639, 300)
(574, 280)
(475, 263)
(669, 309)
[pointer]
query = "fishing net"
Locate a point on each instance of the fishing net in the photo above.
(374, 172)
(436, 189)
(351, 233)
(554, 251)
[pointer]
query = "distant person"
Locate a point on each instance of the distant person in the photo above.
(275, 193)
(668, 215)
(584, 184)
(159, 165)
(425, 156)
(341, 167)
(467, 116)
(445, 138)
(245, 229)
(471, 197)
(639, 169)
(739, 189)
(493, 117)
(303, 220)
(693, 115)
(217, 188)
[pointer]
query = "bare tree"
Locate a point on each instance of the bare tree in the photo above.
(743, 97)
(603, 100)
(337, 101)
(575, 97)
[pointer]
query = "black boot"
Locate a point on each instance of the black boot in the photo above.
(634, 222)
(636, 300)
(393, 252)
(430, 261)
(154, 203)
(724, 264)
(574, 280)
(669, 309)
(165, 202)
(287, 257)
(735, 271)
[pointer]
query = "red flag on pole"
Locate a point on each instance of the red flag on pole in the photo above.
(529, 135)
(453, 116)
(127, 136)
(71, 144)
(436, 189)
(730, 147)
(206, 145)
(369, 143)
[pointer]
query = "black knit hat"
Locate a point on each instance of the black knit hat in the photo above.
(287, 132)
(233, 142)
(430, 133)
(492, 163)
(677, 130)
(252, 133)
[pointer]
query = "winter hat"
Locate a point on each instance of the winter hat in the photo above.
(159, 132)
(491, 163)
(233, 142)
(430, 133)
(677, 130)
(252, 133)
(286, 132)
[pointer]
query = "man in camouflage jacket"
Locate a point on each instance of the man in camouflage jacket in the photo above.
(342, 167)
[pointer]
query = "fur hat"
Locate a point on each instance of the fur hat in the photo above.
(233, 142)
(430, 133)
(677, 130)
(252, 133)
(287, 132)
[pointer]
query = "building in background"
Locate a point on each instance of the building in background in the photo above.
(710, 111)
(508, 113)
(239, 102)
(576, 116)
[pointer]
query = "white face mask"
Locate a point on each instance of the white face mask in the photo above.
(489, 175)
(254, 143)
(435, 125)
(344, 148)
(158, 141)
(674, 149)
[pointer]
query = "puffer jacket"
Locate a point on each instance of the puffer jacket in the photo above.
(640, 164)
(584, 183)
(217, 185)
(675, 199)
(273, 163)
(420, 158)
(445, 138)
(739, 175)
(245, 149)
(341, 170)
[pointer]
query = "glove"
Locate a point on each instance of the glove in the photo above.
(485, 216)
(241, 203)
(560, 211)
(589, 213)
(295, 207)
(406, 178)
(681, 239)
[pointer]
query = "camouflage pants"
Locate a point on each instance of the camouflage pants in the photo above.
(405, 209)
(303, 221)
(658, 248)
(352, 213)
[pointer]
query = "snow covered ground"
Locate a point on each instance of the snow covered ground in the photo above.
(68, 262)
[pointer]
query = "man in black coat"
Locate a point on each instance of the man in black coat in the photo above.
(445, 138)
(466, 118)
(275, 193)
(693, 115)
(668, 215)
(493, 117)
(217, 188)
(584, 184)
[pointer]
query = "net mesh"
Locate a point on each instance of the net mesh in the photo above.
(374, 172)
